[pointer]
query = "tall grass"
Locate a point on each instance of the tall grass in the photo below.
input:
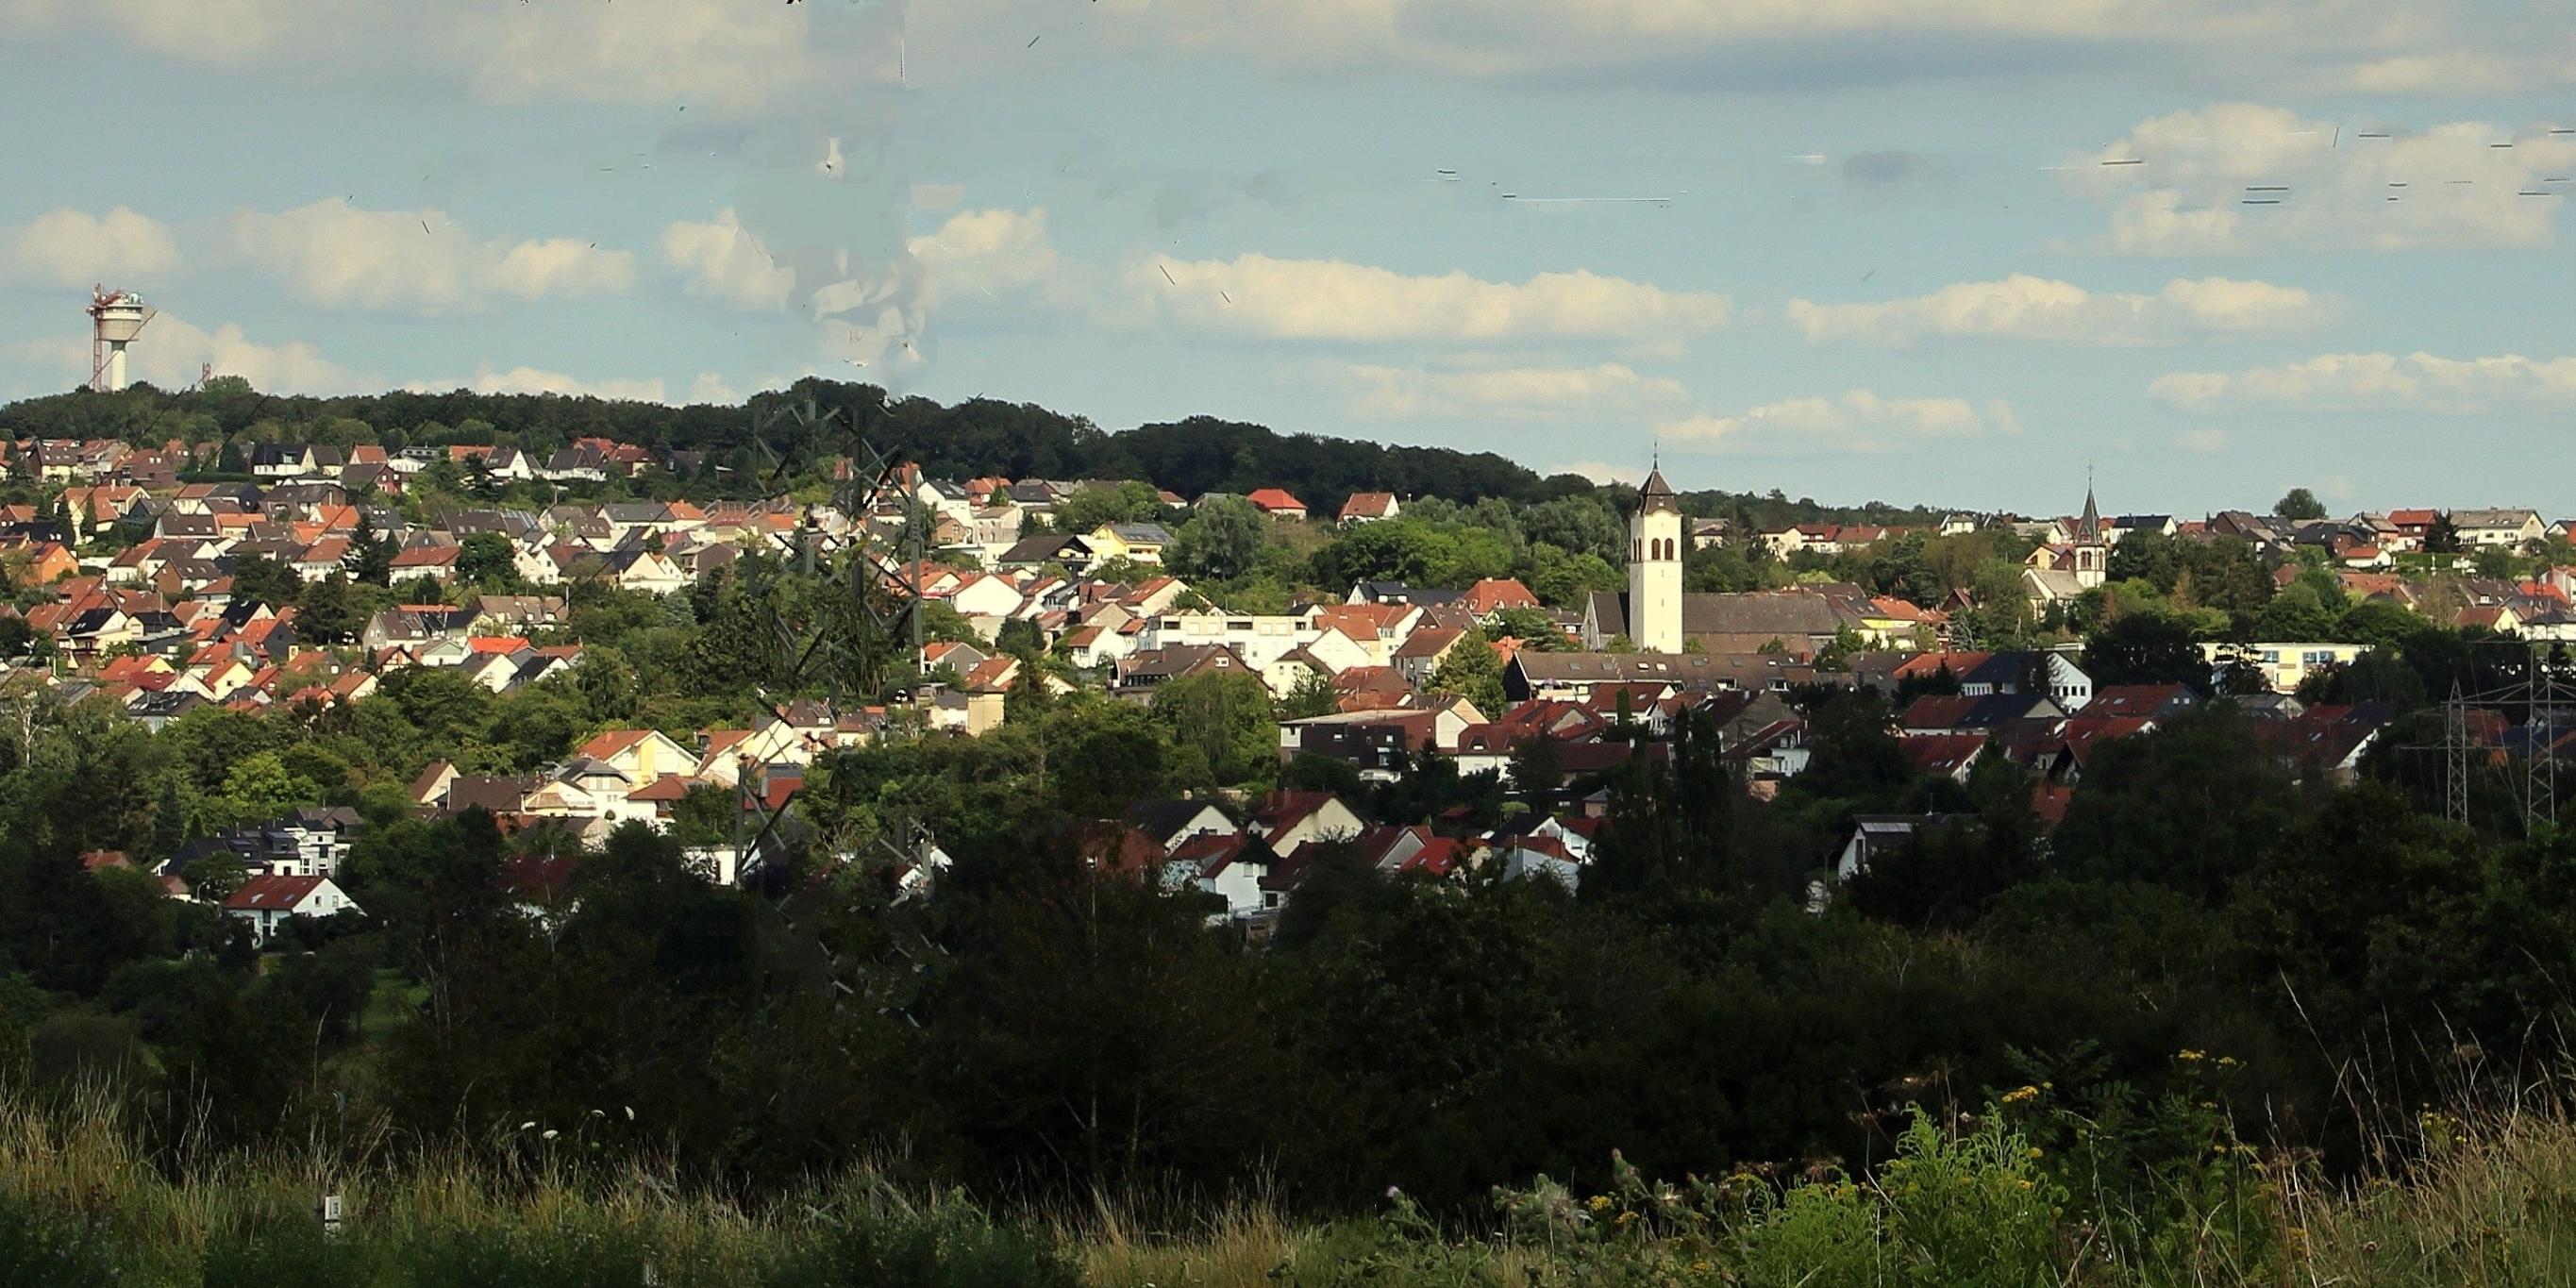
(526, 1211)
(2487, 1199)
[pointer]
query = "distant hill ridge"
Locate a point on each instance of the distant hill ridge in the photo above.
(975, 438)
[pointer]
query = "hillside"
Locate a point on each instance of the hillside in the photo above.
(976, 438)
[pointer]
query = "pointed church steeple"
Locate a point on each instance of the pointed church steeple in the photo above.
(1655, 494)
(2091, 548)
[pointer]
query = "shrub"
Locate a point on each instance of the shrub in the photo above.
(44, 1247)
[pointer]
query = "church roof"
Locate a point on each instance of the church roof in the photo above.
(1793, 615)
(2089, 524)
(1656, 494)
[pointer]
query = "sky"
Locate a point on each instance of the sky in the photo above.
(1956, 253)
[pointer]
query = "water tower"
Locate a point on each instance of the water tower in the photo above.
(116, 317)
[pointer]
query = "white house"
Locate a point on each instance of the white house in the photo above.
(1539, 856)
(1258, 640)
(1287, 820)
(2511, 529)
(987, 595)
(310, 842)
(266, 902)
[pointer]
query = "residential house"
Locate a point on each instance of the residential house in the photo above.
(643, 755)
(264, 903)
(1136, 542)
(1422, 652)
(2282, 664)
(1139, 673)
(1171, 822)
(1286, 821)
(1231, 865)
(1369, 507)
(1276, 503)
(1878, 836)
(2508, 529)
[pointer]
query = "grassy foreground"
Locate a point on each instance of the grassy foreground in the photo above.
(2486, 1202)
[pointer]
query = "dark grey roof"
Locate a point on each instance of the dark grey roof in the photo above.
(1046, 547)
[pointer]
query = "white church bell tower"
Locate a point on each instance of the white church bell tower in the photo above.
(1655, 567)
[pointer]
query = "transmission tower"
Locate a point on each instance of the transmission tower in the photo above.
(2455, 756)
(2540, 752)
(860, 577)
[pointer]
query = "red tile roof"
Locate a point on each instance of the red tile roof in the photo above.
(1271, 498)
(271, 894)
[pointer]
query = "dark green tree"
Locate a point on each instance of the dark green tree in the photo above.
(2299, 505)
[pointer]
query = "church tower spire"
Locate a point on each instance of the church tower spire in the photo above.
(2092, 552)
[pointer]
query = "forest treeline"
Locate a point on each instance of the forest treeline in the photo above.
(977, 438)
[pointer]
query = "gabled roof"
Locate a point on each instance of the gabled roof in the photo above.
(1209, 853)
(1163, 819)
(273, 893)
(1496, 593)
(1281, 811)
(1428, 642)
(1369, 505)
(2139, 700)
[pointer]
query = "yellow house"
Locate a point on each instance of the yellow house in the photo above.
(1137, 542)
(643, 755)
(2283, 665)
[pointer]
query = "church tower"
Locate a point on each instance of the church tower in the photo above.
(1655, 568)
(2092, 552)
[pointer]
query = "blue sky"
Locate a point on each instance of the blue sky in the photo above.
(1879, 255)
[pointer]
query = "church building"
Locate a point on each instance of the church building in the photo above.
(2058, 574)
(1655, 567)
(1656, 616)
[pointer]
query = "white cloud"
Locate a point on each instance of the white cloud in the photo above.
(2036, 308)
(1858, 421)
(717, 54)
(531, 380)
(1397, 393)
(710, 387)
(741, 55)
(1322, 299)
(75, 248)
(1598, 471)
(724, 260)
(2418, 382)
(564, 267)
(171, 352)
(2310, 45)
(336, 255)
(1001, 255)
(2202, 442)
(2203, 175)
